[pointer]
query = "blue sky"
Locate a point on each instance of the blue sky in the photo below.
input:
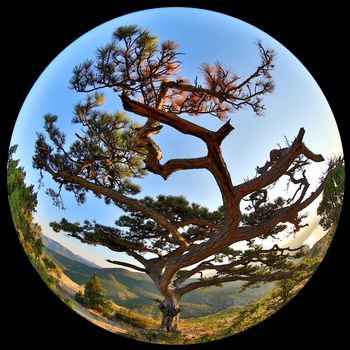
(204, 36)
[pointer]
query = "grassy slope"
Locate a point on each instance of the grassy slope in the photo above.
(196, 329)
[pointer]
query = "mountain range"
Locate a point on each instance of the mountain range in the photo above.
(63, 251)
(135, 290)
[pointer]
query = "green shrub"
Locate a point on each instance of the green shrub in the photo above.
(49, 264)
(37, 247)
(131, 319)
(93, 297)
(47, 278)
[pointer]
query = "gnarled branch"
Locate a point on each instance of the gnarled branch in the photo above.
(180, 124)
(277, 166)
(284, 214)
(119, 198)
(214, 281)
(258, 256)
(122, 263)
(216, 162)
(173, 165)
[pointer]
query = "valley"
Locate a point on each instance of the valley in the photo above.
(135, 290)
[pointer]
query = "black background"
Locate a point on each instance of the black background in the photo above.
(31, 37)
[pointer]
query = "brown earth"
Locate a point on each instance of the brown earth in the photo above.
(67, 289)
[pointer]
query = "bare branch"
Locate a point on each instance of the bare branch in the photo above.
(186, 274)
(154, 153)
(214, 281)
(182, 125)
(267, 59)
(258, 256)
(280, 160)
(284, 214)
(122, 263)
(223, 132)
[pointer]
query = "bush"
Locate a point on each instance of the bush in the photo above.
(131, 319)
(38, 247)
(49, 264)
(47, 278)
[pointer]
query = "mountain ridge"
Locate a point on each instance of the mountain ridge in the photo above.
(135, 290)
(62, 250)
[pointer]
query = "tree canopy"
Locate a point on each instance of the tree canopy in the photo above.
(167, 234)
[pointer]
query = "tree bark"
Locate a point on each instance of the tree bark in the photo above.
(170, 308)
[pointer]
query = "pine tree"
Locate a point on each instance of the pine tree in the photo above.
(170, 239)
(94, 296)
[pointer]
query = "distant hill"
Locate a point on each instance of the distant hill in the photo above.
(135, 290)
(63, 251)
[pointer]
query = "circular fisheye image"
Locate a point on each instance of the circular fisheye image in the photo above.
(175, 184)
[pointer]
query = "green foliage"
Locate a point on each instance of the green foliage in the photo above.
(137, 65)
(176, 209)
(94, 293)
(49, 264)
(333, 194)
(134, 319)
(22, 198)
(46, 277)
(23, 201)
(94, 296)
(38, 247)
(132, 62)
(106, 151)
(135, 230)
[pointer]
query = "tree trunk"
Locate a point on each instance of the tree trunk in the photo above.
(170, 309)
